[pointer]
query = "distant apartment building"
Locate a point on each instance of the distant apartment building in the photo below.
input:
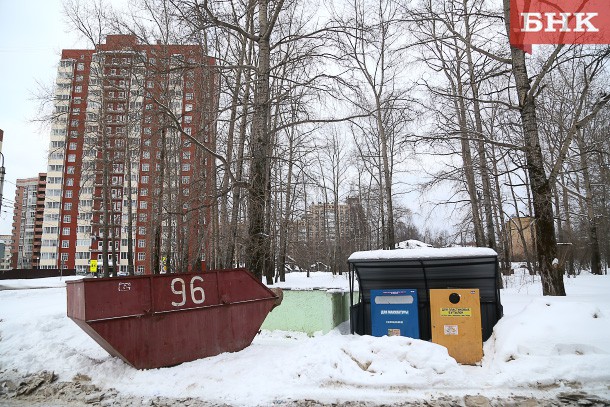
(6, 242)
(125, 174)
(320, 222)
(27, 222)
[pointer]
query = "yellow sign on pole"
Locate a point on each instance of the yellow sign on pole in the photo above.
(93, 266)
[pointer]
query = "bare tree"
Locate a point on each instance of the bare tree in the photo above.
(372, 48)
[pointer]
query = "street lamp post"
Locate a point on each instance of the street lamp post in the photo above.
(2, 172)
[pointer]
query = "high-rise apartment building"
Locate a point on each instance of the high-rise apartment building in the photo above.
(6, 242)
(127, 174)
(27, 222)
(320, 223)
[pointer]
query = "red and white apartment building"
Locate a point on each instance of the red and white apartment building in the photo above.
(27, 222)
(121, 162)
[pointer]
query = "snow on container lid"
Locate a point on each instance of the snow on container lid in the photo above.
(424, 253)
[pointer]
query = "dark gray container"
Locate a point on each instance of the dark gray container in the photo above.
(424, 269)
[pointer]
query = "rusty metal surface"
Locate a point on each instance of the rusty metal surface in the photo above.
(163, 320)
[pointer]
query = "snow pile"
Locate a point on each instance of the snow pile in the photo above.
(552, 339)
(317, 280)
(412, 244)
(542, 347)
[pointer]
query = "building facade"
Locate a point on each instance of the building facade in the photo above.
(6, 242)
(27, 222)
(522, 238)
(128, 181)
(324, 223)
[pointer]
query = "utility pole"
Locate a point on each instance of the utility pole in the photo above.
(2, 171)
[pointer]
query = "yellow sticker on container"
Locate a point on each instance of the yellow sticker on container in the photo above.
(456, 312)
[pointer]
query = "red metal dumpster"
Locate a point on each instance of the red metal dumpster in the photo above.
(162, 320)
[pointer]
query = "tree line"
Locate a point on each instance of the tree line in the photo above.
(377, 102)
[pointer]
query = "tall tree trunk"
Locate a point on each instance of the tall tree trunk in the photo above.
(389, 238)
(457, 89)
(542, 196)
(227, 225)
(158, 222)
(258, 247)
(567, 228)
(286, 216)
(596, 260)
(474, 87)
(501, 220)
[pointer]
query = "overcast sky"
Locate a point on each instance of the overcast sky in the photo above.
(32, 35)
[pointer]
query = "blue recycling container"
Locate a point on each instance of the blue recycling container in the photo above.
(394, 313)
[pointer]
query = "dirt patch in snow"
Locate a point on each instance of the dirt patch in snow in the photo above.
(44, 390)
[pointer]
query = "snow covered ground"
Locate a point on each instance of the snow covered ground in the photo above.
(543, 346)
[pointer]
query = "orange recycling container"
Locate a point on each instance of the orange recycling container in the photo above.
(162, 320)
(455, 316)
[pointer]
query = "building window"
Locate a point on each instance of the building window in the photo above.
(189, 96)
(186, 155)
(70, 170)
(188, 119)
(186, 179)
(188, 107)
(145, 179)
(80, 66)
(146, 167)
(140, 270)
(186, 167)
(68, 193)
(65, 244)
(71, 158)
(65, 231)
(141, 256)
(68, 206)
(78, 89)
(70, 182)
(67, 218)
(144, 192)
(141, 243)
(143, 204)
(142, 230)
